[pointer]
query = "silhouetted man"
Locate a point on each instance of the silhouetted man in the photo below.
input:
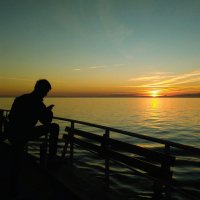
(26, 111)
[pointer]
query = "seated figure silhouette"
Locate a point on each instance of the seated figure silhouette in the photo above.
(25, 112)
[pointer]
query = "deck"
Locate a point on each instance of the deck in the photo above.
(58, 180)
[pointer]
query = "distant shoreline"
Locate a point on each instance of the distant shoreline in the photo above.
(178, 96)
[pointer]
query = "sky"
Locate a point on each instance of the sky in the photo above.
(100, 47)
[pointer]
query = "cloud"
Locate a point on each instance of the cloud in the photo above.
(96, 67)
(24, 79)
(92, 67)
(145, 78)
(190, 77)
(166, 80)
(14, 78)
(99, 66)
(153, 77)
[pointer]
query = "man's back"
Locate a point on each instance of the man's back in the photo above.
(26, 111)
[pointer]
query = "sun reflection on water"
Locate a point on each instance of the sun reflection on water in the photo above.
(154, 103)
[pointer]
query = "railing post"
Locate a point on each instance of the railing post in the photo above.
(167, 151)
(71, 139)
(64, 151)
(7, 113)
(106, 155)
(167, 148)
(167, 189)
(159, 187)
(43, 151)
(1, 122)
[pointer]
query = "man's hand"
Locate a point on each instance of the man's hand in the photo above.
(50, 107)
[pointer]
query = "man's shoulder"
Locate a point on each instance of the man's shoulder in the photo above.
(28, 98)
(23, 96)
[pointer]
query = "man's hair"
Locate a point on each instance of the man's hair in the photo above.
(42, 84)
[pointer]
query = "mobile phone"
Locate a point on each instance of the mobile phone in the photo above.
(51, 106)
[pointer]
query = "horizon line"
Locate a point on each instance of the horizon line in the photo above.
(114, 96)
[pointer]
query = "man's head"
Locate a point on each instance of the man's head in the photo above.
(42, 87)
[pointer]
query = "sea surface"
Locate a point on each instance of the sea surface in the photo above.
(173, 119)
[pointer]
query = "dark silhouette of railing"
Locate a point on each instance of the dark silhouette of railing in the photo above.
(3, 121)
(166, 143)
(108, 148)
(150, 163)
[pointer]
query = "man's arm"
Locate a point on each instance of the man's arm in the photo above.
(46, 114)
(50, 107)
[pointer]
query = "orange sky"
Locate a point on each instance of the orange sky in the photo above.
(153, 84)
(100, 48)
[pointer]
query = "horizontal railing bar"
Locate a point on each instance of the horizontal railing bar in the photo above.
(153, 170)
(85, 134)
(162, 157)
(140, 164)
(132, 134)
(88, 145)
(4, 110)
(153, 155)
(82, 122)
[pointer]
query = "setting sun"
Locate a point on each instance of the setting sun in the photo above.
(154, 93)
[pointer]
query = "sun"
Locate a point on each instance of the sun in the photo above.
(154, 93)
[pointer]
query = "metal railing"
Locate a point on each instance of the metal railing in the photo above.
(167, 145)
(107, 130)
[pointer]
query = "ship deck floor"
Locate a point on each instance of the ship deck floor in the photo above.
(58, 180)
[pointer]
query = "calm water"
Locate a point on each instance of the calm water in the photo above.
(174, 119)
